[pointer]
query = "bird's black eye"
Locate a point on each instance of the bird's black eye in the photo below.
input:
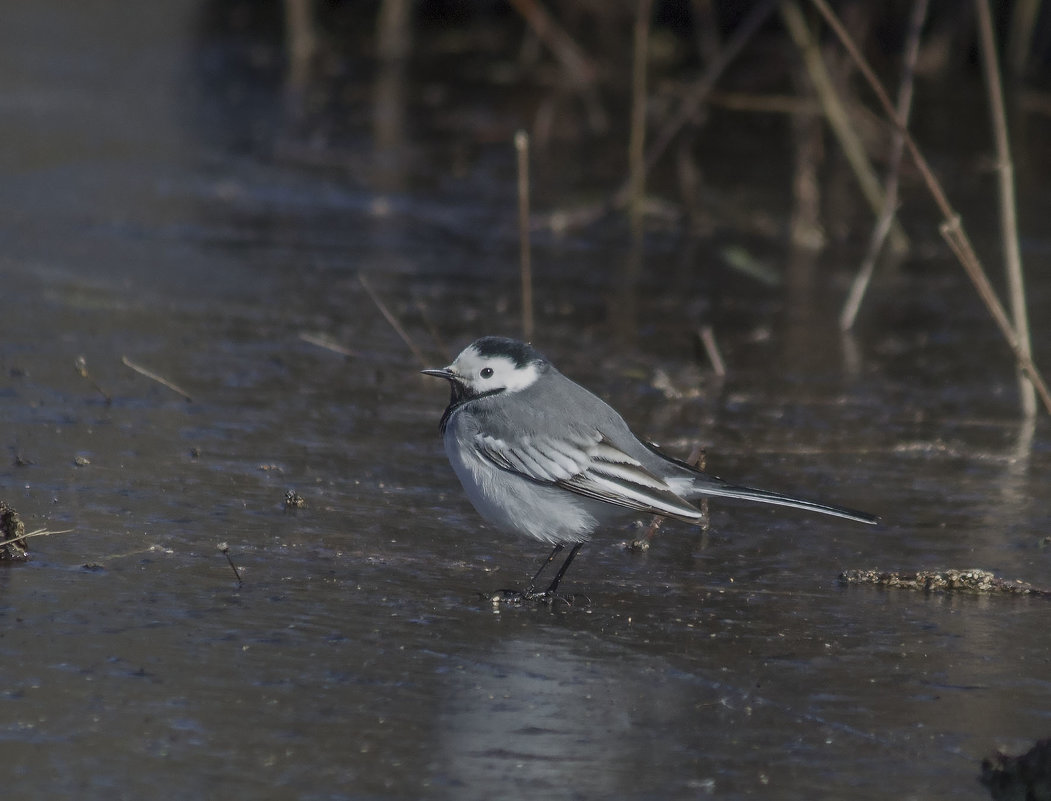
(487, 372)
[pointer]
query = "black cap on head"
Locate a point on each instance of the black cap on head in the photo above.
(521, 353)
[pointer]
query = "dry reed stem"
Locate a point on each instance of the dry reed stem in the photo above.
(704, 85)
(138, 368)
(951, 228)
(525, 253)
(578, 66)
(1008, 211)
(637, 135)
(389, 316)
(394, 29)
(705, 23)
(837, 115)
(1024, 17)
(327, 344)
(687, 111)
(805, 231)
(890, 186)
(301, 40)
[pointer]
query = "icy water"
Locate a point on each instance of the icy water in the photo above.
(162, 205)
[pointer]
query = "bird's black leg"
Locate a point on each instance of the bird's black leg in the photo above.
(549, 595)
(531, 590)
(562, 570)
(517, 596)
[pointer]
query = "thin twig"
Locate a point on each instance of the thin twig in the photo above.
(890, 185)
(81, 365)
(392, 320)
(951, 229)
(860, 284)
(525, 260)
(1008, 211)
(40, 532)
(650, 532)
(224, 549)
(707, 337)
(327, 344)
(138, 368)
(699, 459)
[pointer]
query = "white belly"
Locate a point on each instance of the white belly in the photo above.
(507, 500)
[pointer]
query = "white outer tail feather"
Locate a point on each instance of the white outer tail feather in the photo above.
(713, 490)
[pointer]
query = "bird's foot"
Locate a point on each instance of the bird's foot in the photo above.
(546, 597)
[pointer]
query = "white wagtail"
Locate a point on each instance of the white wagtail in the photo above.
(540, 455)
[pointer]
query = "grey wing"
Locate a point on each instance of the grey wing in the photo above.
(589, 465)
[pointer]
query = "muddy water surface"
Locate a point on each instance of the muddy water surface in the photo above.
(161, 207)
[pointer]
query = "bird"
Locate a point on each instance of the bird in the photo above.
(541, 456)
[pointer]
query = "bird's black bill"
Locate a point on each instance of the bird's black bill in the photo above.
(457, 391)
(440, 372)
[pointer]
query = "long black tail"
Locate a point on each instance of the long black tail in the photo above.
(708, 486)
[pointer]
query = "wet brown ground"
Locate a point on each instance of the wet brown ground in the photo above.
(161, 206)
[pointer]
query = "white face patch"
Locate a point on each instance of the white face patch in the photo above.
(488, 373)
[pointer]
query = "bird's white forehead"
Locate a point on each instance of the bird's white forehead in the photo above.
(507, 374)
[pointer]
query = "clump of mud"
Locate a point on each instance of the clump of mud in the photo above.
(976, 582)
(13, 546)
(293, 500)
